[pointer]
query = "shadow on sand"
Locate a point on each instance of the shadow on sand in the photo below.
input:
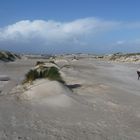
(73, 86)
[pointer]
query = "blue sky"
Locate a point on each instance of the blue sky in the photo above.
(59, 26)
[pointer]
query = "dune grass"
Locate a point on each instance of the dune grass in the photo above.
(51, 73)
(121, 55)
(8, 56)
(40, 63)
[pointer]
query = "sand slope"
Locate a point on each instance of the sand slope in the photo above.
(51, 93)
(103, 103)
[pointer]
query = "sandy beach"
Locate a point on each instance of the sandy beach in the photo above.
(100, 101)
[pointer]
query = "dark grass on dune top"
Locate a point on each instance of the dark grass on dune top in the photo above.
(8, 56)
(51, 73)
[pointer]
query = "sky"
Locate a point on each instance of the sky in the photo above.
(70, 26)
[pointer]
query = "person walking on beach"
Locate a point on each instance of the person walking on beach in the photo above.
(138, 72)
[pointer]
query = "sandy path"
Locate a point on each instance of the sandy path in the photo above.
(104, 105)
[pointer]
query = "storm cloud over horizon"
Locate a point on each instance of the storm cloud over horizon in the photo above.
(80, 35)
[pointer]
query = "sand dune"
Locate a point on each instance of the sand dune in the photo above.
(100, 101)
(4, 78)
(47, 92)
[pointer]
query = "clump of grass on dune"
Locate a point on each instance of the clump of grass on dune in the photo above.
(31, 76)
(39, 63)
(132, 56)
(54, 74)
(8, 56)
(127, 55)
(51, 73)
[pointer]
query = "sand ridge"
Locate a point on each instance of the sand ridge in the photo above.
(100, 101)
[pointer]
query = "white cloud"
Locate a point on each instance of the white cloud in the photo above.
(53, 35)
(53, 31)
(120, 42)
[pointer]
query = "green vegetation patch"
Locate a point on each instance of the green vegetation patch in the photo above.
(40, 63)
(51, 73)
(8, 56)
(120, 55)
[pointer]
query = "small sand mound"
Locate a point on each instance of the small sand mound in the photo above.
(4, 78)
(48, 92)
(47, 64)
(61, 62)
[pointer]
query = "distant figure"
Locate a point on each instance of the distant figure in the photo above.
(138, 72)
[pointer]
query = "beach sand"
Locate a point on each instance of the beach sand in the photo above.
(101, 101)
